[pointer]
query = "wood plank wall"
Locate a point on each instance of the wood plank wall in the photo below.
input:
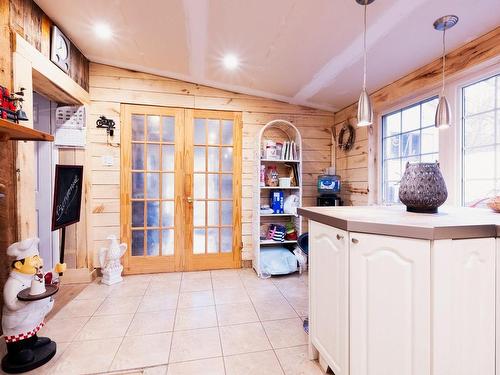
(29, 21)
(359, 167)
(110, 86)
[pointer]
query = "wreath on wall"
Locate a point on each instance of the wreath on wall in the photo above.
(346, 137)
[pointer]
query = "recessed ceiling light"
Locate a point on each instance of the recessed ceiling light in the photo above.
(231, 62)
(103, 30)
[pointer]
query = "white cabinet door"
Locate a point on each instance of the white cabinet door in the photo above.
(328, 295)
(463, 299)
(389, 305)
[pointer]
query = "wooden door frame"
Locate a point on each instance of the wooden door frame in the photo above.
(138, 264)
(182, 259)
(216, 260)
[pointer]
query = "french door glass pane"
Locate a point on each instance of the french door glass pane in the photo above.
(153, 214)
(227, 132)
(226, 240)
(154, 128)
(213, 186)
(138, 214)
(168, 186)
(153, 157)
(227, 159)
(199, 186)
(167, 158)
(137, 243)
(227, 186)
(199, 213)
(168, 130)
(213, 240)
(153, 185)
(138, 127)
(227, 213)
(138, 156)
(199, 241)
(153, 245)
(167, 214)
(199, 159)
(213, 132)
(138, 185)
(200, 131)
(213, 159)
(213, 213)
(167, 244)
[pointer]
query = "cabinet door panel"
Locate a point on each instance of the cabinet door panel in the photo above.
(464, 306)
(328, 286)
(389, 305)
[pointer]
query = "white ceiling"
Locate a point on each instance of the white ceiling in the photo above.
(301, 51)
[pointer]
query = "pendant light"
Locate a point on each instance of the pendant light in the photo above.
(365, 110)
(443, 112)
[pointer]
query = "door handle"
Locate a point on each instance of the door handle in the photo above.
(189, 199)
(340, 237)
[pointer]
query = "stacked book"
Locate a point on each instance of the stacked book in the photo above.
(289, 151)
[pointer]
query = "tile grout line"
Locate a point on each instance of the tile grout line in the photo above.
(265, 333)
(175, 318)
(218, 327)
(128, 327)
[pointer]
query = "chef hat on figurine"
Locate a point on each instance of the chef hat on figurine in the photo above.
(24, 249)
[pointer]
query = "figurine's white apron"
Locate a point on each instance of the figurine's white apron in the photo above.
(21, 318)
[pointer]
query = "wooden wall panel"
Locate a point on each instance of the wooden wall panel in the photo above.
(359, 167)
(111, 86)
(29, 21)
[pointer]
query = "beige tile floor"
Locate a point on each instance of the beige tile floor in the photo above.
(211, 323)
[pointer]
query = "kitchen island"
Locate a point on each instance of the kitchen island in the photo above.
(396, 293)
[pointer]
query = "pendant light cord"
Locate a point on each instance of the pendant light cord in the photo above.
(364, 48)
(444, 61)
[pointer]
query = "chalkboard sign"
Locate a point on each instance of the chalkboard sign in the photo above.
(67, 195)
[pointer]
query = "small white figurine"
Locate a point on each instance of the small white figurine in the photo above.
(110, 261)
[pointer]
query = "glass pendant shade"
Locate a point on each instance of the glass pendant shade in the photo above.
(443, 113)
(365, 110)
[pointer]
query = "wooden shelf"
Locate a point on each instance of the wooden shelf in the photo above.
(274, 215)
(279, 161)
(271, 242)
(10, 131)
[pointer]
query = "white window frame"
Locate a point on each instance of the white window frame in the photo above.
(450, 140)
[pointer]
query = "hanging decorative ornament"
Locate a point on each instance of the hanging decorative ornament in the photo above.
(365, 110)
(443, 113)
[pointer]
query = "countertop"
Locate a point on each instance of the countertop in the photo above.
(449, 223)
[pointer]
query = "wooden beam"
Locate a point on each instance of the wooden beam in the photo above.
(49, 70)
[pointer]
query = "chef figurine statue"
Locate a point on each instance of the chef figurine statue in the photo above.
(21, 320)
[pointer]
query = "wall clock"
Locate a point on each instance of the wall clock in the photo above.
(60, 49)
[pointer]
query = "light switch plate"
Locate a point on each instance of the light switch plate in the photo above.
(107, 160)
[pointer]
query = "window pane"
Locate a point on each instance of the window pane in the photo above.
(199, 186)
(213, 240)
(227, 186)
(410, 143)
(153, 157)
(213, 213)
(153, 213)
(153, 245)
(479, 97)
(476, 190)
(213, 132)
(213, 159)
(479, 163)
(199, 159)
(138, 185)
(227, 159)
(168, 186)
(391, 147)
(391, 191)
(199, 241)
(213, 186)
(168, 158)
(199, 213)
(429, 112)
(405, 161)
(168, 129)
(167, 214)
(137, 243)
(479, 130)
(200, 131)
(137, 127)
(137, 214)
(429, 158)
(153, 128)
(410, 119)
(226, 241)
(167, 242)
(138, 156)
(227, 132)
(430, 140)
(392, 170)
(153, 185)
(392, 124)
(227, 213)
